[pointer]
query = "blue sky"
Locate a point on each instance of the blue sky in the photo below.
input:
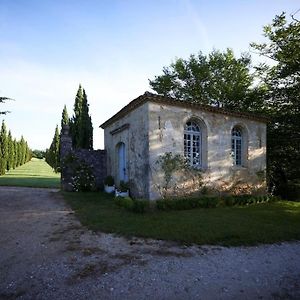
(112, 48)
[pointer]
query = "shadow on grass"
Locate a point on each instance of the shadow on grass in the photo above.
(33, 181)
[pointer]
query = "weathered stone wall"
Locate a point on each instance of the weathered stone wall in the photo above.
(95, 159)
(132, 130)
(166, 134)
(153, 129)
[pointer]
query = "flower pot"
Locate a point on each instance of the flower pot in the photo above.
(121, 194)
(109, 189)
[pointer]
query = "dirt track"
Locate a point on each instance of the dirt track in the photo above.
(46, 254)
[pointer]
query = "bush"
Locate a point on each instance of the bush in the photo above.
(140, 206)
(137, 206)
(125, 202)
(109, 180)
(124, 186)
(186, 203)
(211, 202)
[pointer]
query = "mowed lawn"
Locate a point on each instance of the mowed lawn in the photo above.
(244, 225)
(35, 173)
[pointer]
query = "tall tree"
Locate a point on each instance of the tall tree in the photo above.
(282, 80)
(86, 126)
(65, 117)
(75, 121)
(81, 124)
(10, 151)
(52, 154)
(219, 79)
(3, 149)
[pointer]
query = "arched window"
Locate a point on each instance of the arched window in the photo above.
(193, 144)
(237, 146)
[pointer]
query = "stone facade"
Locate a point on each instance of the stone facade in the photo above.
(151, 126)
(94, 159)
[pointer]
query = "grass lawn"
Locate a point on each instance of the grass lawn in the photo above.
(35, 173)
(249, 225)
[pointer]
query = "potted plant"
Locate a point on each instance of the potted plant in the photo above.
(109, 184)
(123, 190)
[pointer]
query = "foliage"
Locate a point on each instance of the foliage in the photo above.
(53, 153)
(3, 149)
(10, 152)
(124, 186)
(83, 179)
(211, 202)
(170, 164)
(13, 153)
(81, 123)
(64, 117)
(109, 180)
(219, 79)
(38, 154)
(135, 205)
(2, 100)
(282, 97)
(125, 202)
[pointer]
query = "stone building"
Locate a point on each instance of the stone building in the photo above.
(226, 148)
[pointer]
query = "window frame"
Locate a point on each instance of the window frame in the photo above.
(238, 146)
(193, 144)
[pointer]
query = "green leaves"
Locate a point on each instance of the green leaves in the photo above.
(219, 79)
(282, 99)
(81, 123)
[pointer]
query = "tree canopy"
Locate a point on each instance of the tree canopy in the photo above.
(282, 98)
(218, 79)
(2, 100)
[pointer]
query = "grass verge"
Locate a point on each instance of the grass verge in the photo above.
(35, 173)
(229, 226)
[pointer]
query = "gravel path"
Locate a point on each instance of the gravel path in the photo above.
(46, 254)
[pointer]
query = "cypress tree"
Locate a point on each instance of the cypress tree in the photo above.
(16, 146)
(22, 151)
(64, 118)
(52, 154)
(3, 149)
(10, 151)
(13, 153)
(86, 127)
(75, 122)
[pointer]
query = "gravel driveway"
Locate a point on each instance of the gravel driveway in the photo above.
(46, 254)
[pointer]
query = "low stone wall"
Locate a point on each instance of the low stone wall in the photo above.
(94, 159)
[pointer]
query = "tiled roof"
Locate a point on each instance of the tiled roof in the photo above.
(149, 97)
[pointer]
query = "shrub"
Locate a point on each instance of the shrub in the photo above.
(109, 180)
(186, 203)
(82, 179)
(229, 201)
(211, 202)
(136, 205)
(125, 202)
(124, 186)
(140, 205)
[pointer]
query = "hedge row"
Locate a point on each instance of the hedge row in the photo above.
(211, 202)
(141, 206)
(135, 205)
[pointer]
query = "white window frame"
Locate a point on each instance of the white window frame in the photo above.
(237, 146)
(193, 144)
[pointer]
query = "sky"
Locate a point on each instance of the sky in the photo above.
(112, 48)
